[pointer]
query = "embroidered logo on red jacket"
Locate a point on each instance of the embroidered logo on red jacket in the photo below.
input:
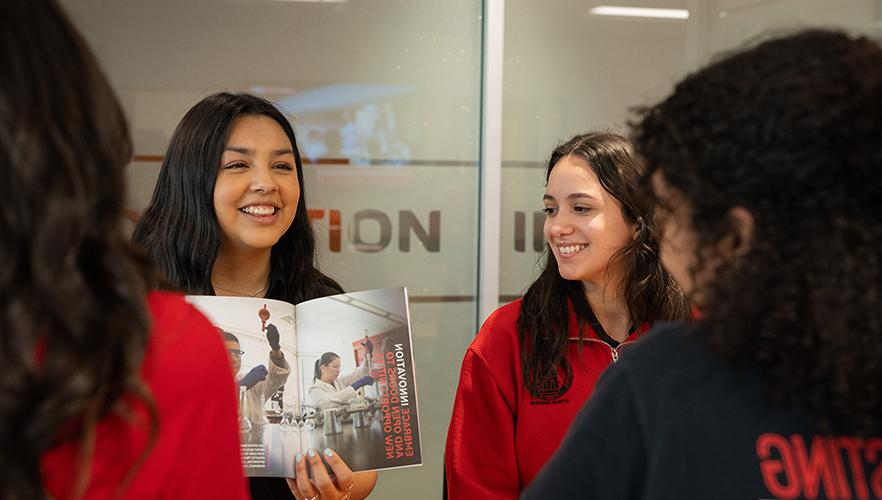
(551, 392)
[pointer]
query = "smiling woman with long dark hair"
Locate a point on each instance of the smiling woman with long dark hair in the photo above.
(228, 217)
(106, 388)
(181, 229)
(535, 361)
(765, 168)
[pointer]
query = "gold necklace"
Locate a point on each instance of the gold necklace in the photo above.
(243, 294)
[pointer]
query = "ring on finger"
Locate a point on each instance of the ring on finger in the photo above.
(314, 497)
(348, 494)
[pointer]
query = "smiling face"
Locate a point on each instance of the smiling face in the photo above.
(584, 224)
(256, 191)
(331, 371)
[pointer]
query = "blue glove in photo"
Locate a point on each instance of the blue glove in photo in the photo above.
(363, 381)
(272, 336)
(254, 376)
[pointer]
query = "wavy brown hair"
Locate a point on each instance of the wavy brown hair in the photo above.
(73, 317)
(791, 130)
(650, 293)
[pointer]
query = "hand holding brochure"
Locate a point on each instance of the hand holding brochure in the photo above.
(334, 372)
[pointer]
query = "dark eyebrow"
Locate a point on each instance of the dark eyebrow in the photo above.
(244, 151)
(250, 152)
(571, 196)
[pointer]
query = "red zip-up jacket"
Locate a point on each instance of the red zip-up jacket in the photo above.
(196, 452)
(500, 435)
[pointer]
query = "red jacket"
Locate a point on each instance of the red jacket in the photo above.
(500, 435)
(196, 454)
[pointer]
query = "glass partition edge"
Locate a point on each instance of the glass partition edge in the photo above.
(491, 157)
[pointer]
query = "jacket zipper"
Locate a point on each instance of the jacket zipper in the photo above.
(613, 351)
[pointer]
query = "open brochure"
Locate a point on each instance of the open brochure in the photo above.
(334, 372)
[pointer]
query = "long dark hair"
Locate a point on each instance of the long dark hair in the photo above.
(179, 227)
(326, 359)
(791, 131)
(73, 317)
(649, 291)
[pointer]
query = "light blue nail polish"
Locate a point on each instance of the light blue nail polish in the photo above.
(298, 457)
(328, 452)
(311, 453)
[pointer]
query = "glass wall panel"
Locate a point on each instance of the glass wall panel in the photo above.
(384, 97)
(568, 70)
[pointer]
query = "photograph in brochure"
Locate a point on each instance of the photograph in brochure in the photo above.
(334, 372)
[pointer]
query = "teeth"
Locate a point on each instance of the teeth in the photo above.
(259, 210)
(570, 249)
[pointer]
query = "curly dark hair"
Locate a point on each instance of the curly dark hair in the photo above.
(790, 130)
(74, 322)
(650, 293)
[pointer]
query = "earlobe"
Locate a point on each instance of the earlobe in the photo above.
(742, 224)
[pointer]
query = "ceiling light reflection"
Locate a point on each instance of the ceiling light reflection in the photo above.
(613, 10)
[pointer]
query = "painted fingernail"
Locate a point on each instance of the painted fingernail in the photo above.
(311, 453)
(328, 452)
(298, 457)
